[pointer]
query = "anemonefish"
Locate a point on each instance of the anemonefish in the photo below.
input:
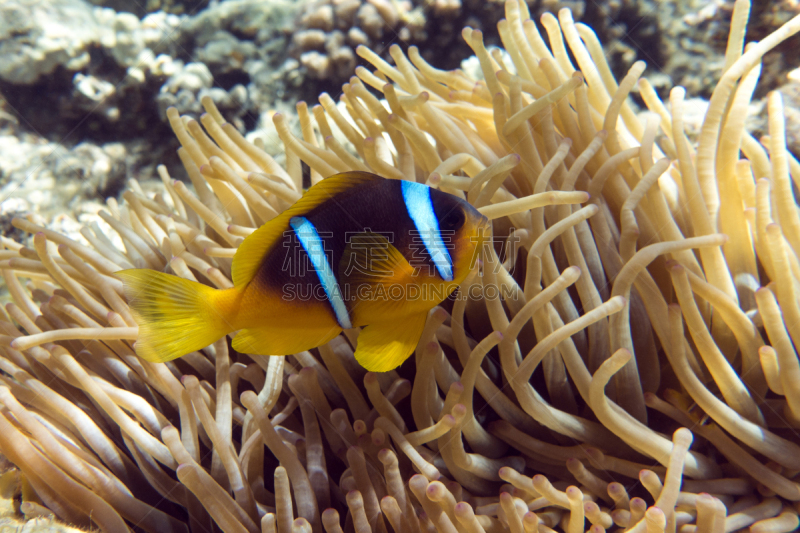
(355, 250)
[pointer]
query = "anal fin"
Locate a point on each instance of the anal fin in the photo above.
(383, 346)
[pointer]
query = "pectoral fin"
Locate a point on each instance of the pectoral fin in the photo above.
(383, 346)
(370, 258)
(379, 275)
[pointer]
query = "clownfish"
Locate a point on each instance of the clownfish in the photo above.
(356, 250)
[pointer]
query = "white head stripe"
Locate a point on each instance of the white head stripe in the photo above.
(417, 198)
(307, 235)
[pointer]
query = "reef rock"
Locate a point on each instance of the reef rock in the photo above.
(36, 37)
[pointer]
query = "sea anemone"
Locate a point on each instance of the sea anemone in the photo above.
(674, 287)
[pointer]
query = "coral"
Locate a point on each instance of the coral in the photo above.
(623, 357)
(43, 176)
(629, 29)
(71, 67)
(177, 7)
(192, 82)
(38, 37)
(694, 35)
(329, 31)
(71, 74)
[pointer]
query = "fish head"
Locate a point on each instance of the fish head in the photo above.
(479, 232)
(464, 231)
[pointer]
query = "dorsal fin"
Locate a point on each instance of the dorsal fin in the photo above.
(255, 247)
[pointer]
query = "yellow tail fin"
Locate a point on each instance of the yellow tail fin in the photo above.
(175, 316)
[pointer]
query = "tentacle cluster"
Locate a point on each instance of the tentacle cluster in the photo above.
(624, 358)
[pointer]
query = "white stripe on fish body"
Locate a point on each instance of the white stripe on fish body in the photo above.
(418, 201)
(312, 243)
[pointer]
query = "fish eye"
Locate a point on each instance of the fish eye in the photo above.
(453, 220)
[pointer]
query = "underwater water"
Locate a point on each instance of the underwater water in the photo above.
(618, 353)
